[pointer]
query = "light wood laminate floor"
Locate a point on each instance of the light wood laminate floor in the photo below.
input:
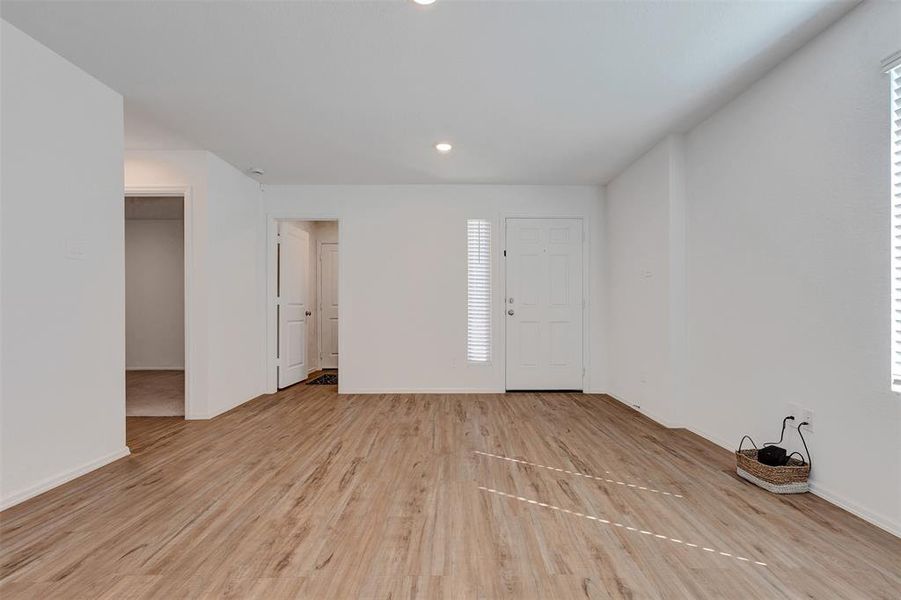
(307, 494)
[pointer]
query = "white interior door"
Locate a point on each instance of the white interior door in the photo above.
(293, 307)
(328, 305)
(543, 304)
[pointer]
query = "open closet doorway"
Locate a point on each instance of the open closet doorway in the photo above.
(154, 306)
(303, 303)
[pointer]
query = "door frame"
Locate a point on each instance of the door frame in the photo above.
(586, 288)
(270, 347)
(185, 193)
(319, 295)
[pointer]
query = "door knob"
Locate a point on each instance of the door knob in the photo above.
(308, 313)
(510, 312)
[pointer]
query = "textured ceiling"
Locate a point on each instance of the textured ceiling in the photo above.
(359, 92)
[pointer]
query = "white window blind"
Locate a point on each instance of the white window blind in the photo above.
(895, 162)
(478, 287)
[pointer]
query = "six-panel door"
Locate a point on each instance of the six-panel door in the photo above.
(328, 305)
(293, 285)
(543, 304)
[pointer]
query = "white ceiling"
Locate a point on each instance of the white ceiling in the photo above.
(359, 92)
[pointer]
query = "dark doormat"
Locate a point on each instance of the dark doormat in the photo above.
(327, 379)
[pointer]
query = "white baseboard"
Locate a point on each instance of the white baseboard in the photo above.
(652, 416)
(364, 391)
(712, 438)
(878, 520)
(220, 411)
(57, 480)
(816, 489)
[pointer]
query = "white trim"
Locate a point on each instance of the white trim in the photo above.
(879, 521)
(270, 223)
(586, 288)
(598, 392)
(185, 193)
(223, 410)
(637, 408)
(397, 391)
(57, 480)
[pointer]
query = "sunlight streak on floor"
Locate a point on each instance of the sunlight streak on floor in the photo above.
(615, 524)
(577, 474)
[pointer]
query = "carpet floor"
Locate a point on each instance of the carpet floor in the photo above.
(154, 393)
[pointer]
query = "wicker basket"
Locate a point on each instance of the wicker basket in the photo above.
(788, 479)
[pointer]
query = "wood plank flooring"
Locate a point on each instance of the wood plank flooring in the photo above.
(307, 494)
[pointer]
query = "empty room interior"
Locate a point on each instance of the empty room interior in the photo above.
(450, 299)
(154, 306)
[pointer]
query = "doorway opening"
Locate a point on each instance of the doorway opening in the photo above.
(155, 306)
(303, 306)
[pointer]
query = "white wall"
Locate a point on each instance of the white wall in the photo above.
(62, 411)
(225, 365)
(640, 260)
(154, 294)
(786, 212)
(788, 261)
(236, 310)
(402, 276)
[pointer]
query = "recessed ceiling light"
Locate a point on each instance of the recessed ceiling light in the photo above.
(443, 147)
(424, 2)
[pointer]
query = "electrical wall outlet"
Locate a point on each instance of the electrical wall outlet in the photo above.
(794, 410)
(807, 415)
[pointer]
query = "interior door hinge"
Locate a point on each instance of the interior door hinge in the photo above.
(505, 253)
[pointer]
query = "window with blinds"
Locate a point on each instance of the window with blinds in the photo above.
(478, 290)
(895, 164)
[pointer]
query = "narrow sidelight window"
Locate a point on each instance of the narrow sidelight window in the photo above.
(478, 287)
(895, 198)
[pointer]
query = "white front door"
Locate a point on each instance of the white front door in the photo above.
(293, 308)
(328, 305)
(543, 304)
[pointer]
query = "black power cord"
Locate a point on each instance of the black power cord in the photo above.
(801, 435)
(782, 435)
(803, 441)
